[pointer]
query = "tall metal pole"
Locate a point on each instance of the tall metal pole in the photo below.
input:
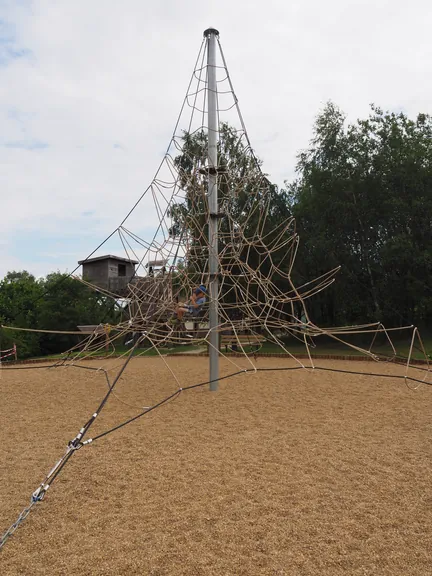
(211, 35)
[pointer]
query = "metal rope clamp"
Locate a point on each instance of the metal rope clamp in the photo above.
(75, 444)
(39, 494)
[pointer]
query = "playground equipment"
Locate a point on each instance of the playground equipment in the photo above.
(212, 204)
(11, 352)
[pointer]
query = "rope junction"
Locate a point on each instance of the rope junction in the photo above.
(257, 249)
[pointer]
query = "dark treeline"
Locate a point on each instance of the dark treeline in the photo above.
(363, 200)
(57, 302)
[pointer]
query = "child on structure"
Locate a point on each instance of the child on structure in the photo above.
(196, 302)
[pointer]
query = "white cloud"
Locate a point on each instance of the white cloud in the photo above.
(104, 81)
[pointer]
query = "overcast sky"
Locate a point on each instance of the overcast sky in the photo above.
(90, 91)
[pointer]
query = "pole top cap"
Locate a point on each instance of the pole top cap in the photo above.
(211, 31)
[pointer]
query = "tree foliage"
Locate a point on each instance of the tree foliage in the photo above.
(245, 196)
(57, 302)
(20, 301)
(363, 199)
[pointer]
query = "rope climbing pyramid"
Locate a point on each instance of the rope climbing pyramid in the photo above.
(218, 268)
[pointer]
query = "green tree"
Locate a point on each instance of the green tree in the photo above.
(58, 302)
(66, 304)
(20, 296)
(363, 199)
(250, 207)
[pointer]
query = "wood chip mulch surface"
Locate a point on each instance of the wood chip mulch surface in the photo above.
(278, 473)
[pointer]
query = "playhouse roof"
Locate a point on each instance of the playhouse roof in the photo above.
(107, 257)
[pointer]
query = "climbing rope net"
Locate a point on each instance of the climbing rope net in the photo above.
(258, 300)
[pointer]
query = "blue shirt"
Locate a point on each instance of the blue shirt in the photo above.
(199, 302)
